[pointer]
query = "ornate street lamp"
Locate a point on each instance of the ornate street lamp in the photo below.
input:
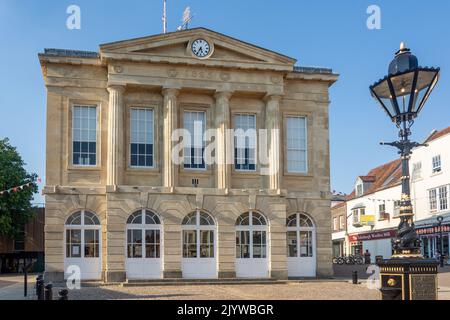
(402, 94)
(441, 239)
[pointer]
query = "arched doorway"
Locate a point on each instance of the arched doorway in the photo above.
(251, 246)
(199, 246)
(83, 247)
(301, 246)
(143, 253)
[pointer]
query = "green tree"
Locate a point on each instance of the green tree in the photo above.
(15, 207)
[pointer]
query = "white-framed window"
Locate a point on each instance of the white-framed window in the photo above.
(142, 137)
(359, 190)
(438, 198)
(382, 211)
(436, 164)
(195, 123)
(83, 235)
(432, 199)
(245, 142)
(84, 135)
(417, 171)
(341, 222)
(335, 224)
(251, 236)
(296, 144)
(300, 236)
(357, 213)
(198, 235)
(443, 198)
(143, 235)
(397, 204)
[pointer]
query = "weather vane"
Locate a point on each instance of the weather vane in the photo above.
(187, 18)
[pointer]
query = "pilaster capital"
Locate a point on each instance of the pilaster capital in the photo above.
(223, 95)
(113, 88)
(272, 97)
(170, 92)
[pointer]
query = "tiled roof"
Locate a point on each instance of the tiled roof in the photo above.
(368, 178)
(385, 176)
(438, 134)
(339, 205)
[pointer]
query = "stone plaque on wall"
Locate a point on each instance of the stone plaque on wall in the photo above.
(424, 287)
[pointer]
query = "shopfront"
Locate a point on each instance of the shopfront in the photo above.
(378, 243)
(430, 237)
(338, 239)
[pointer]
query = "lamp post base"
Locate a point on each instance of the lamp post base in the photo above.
(408, 278)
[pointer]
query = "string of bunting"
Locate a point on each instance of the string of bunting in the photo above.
(18, 188)
(394, 200)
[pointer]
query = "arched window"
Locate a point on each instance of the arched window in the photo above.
(83, 235)
(198, 235)
(300, 235)
(251, 236)
(143, 235)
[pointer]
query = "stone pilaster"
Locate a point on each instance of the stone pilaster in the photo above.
(170, 124)
(115, 135)
(223, 147)
(273, 132)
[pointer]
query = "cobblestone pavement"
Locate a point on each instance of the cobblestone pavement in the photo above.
(288, 291)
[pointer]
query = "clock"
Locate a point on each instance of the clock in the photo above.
(201, 48)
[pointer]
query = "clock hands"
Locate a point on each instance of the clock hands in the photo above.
(201, 48)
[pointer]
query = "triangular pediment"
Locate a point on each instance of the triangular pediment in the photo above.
(176, 46)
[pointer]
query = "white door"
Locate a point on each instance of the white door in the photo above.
(143, 260)
(251, 246)
(83, 246)
(301, 246)
(199, 246)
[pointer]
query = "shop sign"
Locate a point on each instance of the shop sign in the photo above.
(433, 229)
(367, 220)
(373, 235)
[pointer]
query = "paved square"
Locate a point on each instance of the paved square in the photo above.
(288, 291)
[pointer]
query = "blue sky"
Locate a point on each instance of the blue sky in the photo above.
(318, 33)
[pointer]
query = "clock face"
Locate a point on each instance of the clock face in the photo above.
(201, 48)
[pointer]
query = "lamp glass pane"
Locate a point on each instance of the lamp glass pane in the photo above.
(424, 81)
(384, 95)
(402, 86)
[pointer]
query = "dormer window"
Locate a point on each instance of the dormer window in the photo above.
(359, 190)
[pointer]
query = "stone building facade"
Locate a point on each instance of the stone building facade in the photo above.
(119, 207)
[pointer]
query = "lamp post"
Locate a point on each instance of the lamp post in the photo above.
(402, 94)
(441, 239)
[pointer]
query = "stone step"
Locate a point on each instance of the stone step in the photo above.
(183, 282)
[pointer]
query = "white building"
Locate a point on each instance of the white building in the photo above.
(373, 206)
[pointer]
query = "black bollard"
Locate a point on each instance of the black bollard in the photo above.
(355, 277)
(40, 288)
(25, 283)
(49, 292)
(63, 294)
